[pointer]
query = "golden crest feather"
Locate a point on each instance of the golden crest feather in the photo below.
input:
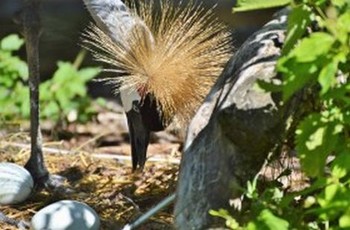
(173, 53)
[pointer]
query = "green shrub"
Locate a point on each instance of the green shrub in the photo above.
(63, 97)
(320, 60)
(14, 96)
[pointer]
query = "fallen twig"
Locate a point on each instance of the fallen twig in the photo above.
(130, 201)
(20, 224)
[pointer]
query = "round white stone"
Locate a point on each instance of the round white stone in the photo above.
(16, 183)
(66, 215)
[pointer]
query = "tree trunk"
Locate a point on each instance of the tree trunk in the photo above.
(235, 129)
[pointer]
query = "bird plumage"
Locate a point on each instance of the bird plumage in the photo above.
(174, 54)
(167, 54)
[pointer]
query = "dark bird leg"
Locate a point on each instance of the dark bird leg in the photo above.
(30, 20)
(31, 26)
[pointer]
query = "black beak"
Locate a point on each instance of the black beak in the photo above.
(139, 137)
(142, 119)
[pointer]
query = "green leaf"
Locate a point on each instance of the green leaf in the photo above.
(268, 221)
(65, 73)
(342, 28)
(315, 140)
(251, 192)
(272, 221)
(330, 192)
(230, 221)
(311, 48)
(341, 165)
(78, 89)
(100, 101)
(264, 86)
(344, 220)
(51, 110)
(298, 20)
(11, 43)
(339, 3)
(22, 69)
(246, 5)
(22, 97)
(302, 64)
(62, 99)
(295, 75)
(326, 77)
(89, 73)
(344, 21)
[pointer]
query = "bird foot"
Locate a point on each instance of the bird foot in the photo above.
(57, 184)
(43, 179)
(53, 183)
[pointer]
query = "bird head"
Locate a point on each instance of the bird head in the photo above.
(143, 116)
(165, 58)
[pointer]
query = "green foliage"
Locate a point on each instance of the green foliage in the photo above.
(11, 43)
(63, 98)
(262, 214)
(245, 5)
(230, 221)
(14, 99)
(317, 61)
(267, 220)
(298, 20)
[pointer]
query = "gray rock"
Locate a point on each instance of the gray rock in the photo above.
(66, 215)
(16, 183)
(234, 130)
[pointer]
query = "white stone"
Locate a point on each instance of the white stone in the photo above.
(66, 215)
(16, 183)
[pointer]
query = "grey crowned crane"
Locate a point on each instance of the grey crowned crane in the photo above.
(163, 59)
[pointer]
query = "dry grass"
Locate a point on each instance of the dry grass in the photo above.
(108, 186)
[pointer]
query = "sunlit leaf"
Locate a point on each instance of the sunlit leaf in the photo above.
(268, 221)
(89, 73)
(344, 220)
(230, 221)
(295, 75)
(315, 140)
(311, 48)
(326, 77)
(11, 42)
(272, 221)
(298, 20)
(246, 5)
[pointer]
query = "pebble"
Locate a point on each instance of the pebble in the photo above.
(16, 183)
(66, 215)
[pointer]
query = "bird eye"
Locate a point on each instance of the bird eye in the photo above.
(136, 106)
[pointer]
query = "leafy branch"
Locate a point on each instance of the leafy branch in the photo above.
(315, 56)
